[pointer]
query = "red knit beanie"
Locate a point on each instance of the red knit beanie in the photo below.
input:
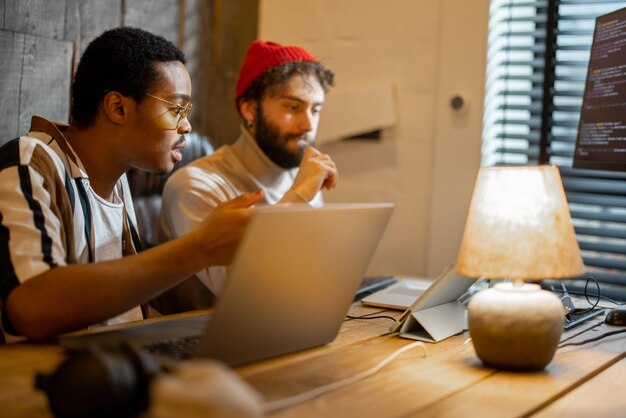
(264, 55)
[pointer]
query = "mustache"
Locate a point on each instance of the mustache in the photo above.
(180, 141)
(306, 137)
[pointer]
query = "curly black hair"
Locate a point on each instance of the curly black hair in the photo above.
(275, 78)
(119, 60)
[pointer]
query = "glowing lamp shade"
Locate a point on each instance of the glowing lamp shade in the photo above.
(518, 227)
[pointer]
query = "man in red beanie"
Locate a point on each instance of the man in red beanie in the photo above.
(279, 94)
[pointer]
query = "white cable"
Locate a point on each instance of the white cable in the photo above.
(570, 304)
(290, 401)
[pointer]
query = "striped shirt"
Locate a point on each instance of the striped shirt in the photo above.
(50, 216)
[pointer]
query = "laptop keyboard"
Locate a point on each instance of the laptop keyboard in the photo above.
(179, 348)
(186, 348)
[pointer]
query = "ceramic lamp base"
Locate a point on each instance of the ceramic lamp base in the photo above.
(515, 327)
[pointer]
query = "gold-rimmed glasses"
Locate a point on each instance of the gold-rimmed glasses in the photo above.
(180, 112)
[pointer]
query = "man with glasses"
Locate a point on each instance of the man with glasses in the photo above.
(68, 245)
(280, 94)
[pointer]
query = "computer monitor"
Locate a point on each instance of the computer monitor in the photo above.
(601, 141)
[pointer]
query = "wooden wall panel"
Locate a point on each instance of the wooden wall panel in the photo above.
(72, 26)
(3, 6)
(11, 48)
(156, 16)
(97, 16)
(194, 47)
(38, 17)
(233, 26)
(46, 75)
(191, 43)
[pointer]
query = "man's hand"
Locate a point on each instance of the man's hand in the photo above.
(221, 231)
(38, 307)
(317, 171)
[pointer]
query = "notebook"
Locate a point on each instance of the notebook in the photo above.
(291, 282)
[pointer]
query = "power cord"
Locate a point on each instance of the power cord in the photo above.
(369, 316)
(569, 307)
(569, 303)
(290, 401)
(594, 305)
(590, 340)
(580, 332)
(566, 294)
(606, 298)
(372, 317)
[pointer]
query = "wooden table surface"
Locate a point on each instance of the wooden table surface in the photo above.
(450, 381)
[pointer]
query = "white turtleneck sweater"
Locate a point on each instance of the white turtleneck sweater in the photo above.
(194, 190)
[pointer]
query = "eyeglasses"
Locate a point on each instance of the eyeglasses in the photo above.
(180, 112)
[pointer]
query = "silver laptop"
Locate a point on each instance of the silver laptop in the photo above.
(289, 287)
(400, 295)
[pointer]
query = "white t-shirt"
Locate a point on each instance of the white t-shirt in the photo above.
(194, 190)
(108, 219)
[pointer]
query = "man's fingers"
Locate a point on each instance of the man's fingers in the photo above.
(310, 152)
(331, 179)
(330, 170)
(317, 171)
(244, 201)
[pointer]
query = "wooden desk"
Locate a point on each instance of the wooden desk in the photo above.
(581, 381)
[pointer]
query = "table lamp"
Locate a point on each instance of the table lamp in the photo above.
(518, 228)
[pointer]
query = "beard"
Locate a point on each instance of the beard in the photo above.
(273, 143)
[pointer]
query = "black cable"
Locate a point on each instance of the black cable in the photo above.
(571, 337)
(608, 299)
(590, 340)
(368, 314)
(586, 294)
(594, 305)
(577, 293)
(371, 317)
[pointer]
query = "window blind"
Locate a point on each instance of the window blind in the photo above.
(537, 58)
